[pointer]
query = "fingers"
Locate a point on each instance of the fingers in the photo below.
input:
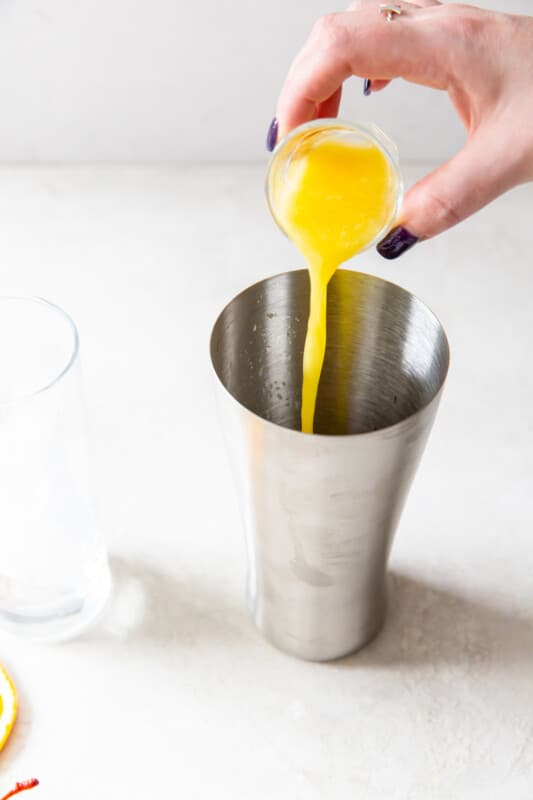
(364, 43)
(330, 107)
(480, 172)
(377, 85)
(316, 75)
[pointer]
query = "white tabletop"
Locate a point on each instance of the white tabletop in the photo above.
(174, 694)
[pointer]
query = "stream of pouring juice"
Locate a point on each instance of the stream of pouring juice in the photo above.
(337, 198)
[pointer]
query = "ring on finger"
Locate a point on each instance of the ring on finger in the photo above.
(390, 10)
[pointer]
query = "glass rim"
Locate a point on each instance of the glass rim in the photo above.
(71, 359)
(368, 129)
(387, 430)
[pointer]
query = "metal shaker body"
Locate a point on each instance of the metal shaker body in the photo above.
(320, 511)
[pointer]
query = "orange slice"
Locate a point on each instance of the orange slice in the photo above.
(8, 706)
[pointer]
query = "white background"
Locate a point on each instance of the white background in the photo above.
(166, 80)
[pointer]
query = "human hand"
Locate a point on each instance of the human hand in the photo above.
(483, 59)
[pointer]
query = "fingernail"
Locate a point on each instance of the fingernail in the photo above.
(272, 135)
(396, 243)
(367, 87)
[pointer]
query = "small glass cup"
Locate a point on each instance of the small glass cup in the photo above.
(313, 134)
(54, 574)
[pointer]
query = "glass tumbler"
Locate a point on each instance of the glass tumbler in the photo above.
(54, 574)
(285, 159)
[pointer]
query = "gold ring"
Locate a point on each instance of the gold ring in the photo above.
(390, 10)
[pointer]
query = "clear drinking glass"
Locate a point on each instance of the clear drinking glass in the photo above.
(54, 574)
(312, 135)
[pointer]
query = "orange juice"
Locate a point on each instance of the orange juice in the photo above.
(336, 196)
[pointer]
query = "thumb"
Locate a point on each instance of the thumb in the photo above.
(486, 167)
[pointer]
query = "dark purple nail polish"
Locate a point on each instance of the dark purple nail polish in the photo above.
(367, 87)
(272, 135)
(396, 242)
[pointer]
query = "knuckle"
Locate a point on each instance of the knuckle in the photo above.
(441, 210)
(326, 23)
(330, 32)
(464, 22)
